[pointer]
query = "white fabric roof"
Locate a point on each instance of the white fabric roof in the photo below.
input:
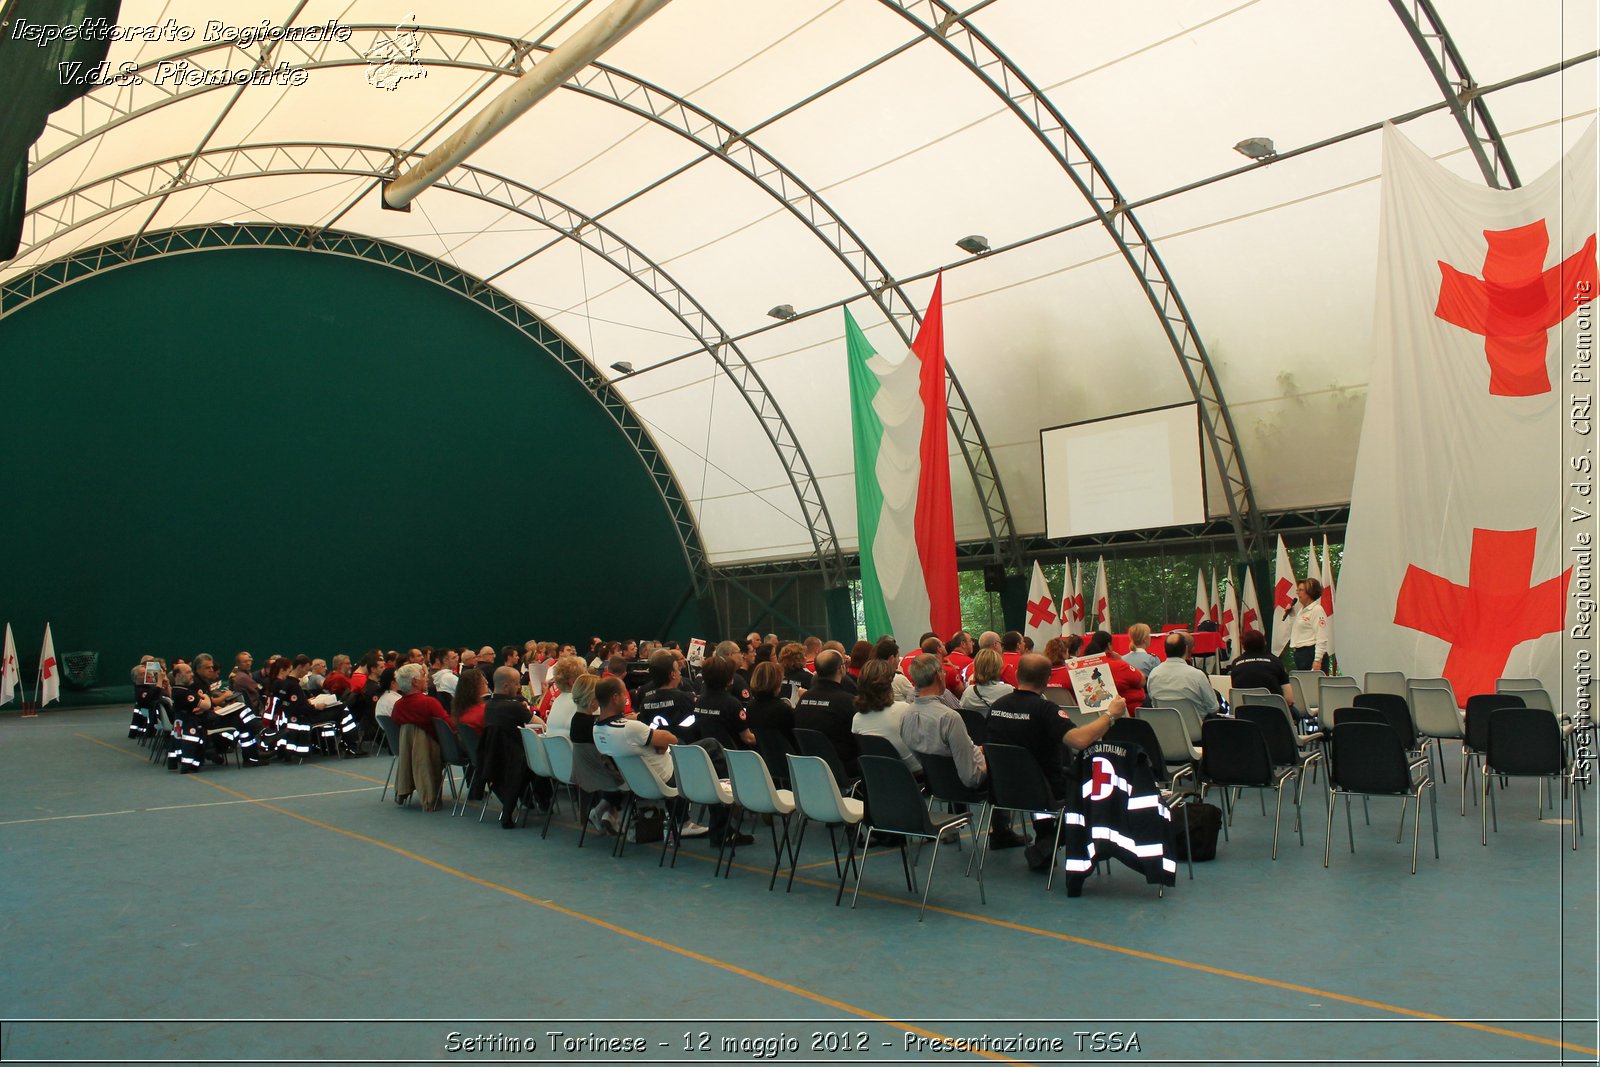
(1276, 265)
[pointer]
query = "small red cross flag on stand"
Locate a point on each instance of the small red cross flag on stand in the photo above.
(49, 671)
(1041, 621)
(1230, 615)
(1214, 612)
(1102, 602)
(1283, 599)
(1457, 558)
(8, 669)
(1202, 603)
(1249, 606)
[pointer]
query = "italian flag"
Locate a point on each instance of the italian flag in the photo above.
(907, 535)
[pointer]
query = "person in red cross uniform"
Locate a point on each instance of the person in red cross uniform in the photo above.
(1308, 627)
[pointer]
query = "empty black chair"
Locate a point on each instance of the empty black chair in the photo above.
(895, 805)
(1277, 730)
(816, 743)
(1234, 755)
(1526, 742)
(1479, 711)
(1396, 711)
(1370, 761)
(1017, 784)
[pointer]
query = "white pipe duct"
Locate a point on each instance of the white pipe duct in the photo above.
(575, 53)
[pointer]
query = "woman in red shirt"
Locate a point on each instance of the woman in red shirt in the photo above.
(466, 707)
(1129, 679)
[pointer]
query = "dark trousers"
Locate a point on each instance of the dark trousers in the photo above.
(1304, 657)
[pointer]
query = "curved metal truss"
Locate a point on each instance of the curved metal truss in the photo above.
(20, 291)
(148, 181)
(977, 53)
(1461, 93)
(105, 109)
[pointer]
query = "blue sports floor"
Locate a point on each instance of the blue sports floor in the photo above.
(283, 914)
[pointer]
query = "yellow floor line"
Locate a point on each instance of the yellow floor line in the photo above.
(666, 946)
(1221, 972)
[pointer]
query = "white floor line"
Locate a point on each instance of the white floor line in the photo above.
(178, 807)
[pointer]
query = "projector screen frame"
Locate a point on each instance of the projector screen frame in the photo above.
(1199, 433)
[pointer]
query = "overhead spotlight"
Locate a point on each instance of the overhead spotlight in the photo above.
(622, 366)
(782, 311)
(975, 243)
(1256, 148)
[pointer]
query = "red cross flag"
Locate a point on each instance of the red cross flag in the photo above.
(1202, 605)
(1230, 614)
(1283, 599)
(1102, 602)
(8, 669)
(49, 671)
(1064, 604)
(1041, 621)
(1249, 606)
(1457, 558)
(1326, 578)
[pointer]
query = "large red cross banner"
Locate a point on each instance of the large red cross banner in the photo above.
(1457, 560)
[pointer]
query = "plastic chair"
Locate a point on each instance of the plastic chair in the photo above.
(472, 776)
(589, 775)
(450, 755)
(1531, 690)
(1140, 734)
(1062, 696)
(1235, 756)
(697, 780)
(753, 789)
(1339, 691)
(1369, 761)
(817, 743)
(774, 748)
(1194, 723)
(1307, 686)
(944, 783)
(391, 737)
(877, 745)
(558, 754)
(1173, 737)
(1526, 742)
(1438, 719)
(897, 807)
(1392, 683)
(645, 786)
(1476, 716)
(1017, 784)
(1396, 711)
(816, 794)
(539, 766)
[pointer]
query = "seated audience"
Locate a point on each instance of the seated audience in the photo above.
(929, 726)
(877, 710)
(420, 766)
(986, 685)
(466, 704)
(770, 708)
(829, 709)
(1256, 668)
(1139, 654)
(1176, 682)
(1130, 683)
(720, 713)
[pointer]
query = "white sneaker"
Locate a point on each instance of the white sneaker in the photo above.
(613, 823)
(599, 819)
(690, 828)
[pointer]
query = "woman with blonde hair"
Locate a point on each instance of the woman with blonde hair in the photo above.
(986, 685)
(557, 706)
(1139, 654)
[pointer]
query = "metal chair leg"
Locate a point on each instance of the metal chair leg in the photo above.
(863, 837)
(1327, 840)
(927, 881)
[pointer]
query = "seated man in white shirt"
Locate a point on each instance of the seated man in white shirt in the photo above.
(618, 733)
(1176, 683)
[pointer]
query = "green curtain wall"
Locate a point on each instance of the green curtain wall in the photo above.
(290, 452)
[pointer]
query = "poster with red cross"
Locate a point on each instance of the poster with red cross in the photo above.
(1458, 556)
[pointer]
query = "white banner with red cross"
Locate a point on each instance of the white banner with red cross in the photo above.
(1457, 558)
